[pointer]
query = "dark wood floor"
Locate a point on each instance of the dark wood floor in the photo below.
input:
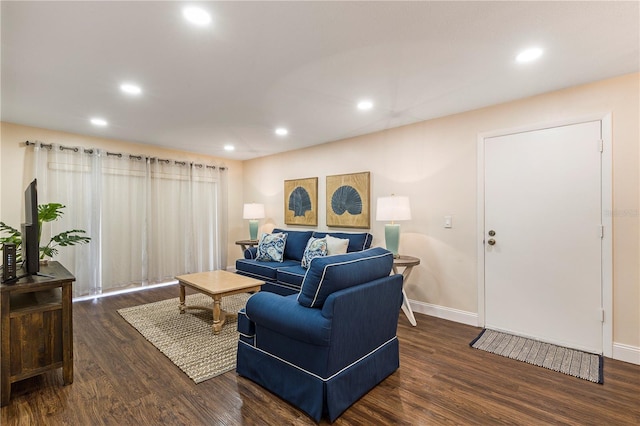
(121, 379)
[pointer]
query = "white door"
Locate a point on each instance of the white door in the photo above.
(543, 235)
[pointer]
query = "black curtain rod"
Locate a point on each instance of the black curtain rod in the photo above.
(119, 154)
(62, 148)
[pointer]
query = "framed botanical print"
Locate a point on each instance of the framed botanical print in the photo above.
(301, 201)
(348, 204)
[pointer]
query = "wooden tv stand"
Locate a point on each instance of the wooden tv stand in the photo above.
(37, 327)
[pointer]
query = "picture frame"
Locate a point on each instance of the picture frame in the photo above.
(301, 201)
(348, 200)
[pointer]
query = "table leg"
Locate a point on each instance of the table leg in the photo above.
(67, 335)
(5, 357)
(182, 298)
(406, 308)
(217, 312)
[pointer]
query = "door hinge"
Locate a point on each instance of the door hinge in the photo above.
(601, 231)
(600, 145)
(601, 314)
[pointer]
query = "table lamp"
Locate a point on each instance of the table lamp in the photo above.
(393, 208)
(253, 212)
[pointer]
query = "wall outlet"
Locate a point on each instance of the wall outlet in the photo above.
(448, 221)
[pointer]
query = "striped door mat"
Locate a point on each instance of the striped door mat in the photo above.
(573, 362)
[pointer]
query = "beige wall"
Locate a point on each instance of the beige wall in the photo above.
(434, 163)
(13, 181)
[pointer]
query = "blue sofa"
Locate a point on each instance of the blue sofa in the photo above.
(325, 347)
(286, 277)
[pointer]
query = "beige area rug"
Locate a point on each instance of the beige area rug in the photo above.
(187, 339)
(573, 362)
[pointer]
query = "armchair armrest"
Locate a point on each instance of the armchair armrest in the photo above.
(286, 316)
(356, 311)
(365, 318)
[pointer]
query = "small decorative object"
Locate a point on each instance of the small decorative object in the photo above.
(348, 200)
(392, 209)
(301, 201)
(47, 213)
(253, 212)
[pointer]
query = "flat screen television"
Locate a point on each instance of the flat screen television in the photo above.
(30, 231)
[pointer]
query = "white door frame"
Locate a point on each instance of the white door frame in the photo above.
(606, 202)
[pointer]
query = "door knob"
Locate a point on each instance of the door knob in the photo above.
(491, 242)
(492, 233)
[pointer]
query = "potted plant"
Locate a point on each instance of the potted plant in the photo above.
(46, 213)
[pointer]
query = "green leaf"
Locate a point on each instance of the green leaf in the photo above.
(14, 237)
(50, 212)
(70, 238)
(12, 231)
(48, 251)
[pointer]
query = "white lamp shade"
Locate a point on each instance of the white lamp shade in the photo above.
(253, 211)
(393, 208)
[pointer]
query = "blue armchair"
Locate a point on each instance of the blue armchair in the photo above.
(324, 348)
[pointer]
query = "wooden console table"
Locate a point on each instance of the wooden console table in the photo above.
(37, 327)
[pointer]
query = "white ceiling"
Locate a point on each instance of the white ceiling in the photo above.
(302, 65)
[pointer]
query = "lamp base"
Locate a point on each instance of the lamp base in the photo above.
(253, 229)
(392, 238)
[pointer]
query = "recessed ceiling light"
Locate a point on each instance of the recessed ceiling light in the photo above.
(365, 105)
(196, 16)
(281, 131)
(229, 148)
(98, 122)
(130, 89)
(529, 55)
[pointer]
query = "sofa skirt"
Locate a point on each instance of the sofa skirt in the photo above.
(317, 396)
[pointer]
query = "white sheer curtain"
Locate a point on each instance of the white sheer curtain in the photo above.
(187, 231)
(169, 230)
(149, 220)
(123, 253)
(207, 218)
(69, 176)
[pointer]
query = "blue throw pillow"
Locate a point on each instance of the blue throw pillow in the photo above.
(296, 242)
(271, 247)
(316, 247)
(358, 241)
(332, 273)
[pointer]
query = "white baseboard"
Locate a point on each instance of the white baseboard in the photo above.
(621, 352)
(626, 353)
(464, 317)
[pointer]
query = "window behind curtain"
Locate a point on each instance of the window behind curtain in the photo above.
(148, 220)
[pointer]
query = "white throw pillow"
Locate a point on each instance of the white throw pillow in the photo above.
(336, 245)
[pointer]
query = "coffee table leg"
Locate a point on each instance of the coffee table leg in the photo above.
(182, 297)
(217, 311)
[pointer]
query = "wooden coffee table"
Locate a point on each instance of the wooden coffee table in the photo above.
(216, 284)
